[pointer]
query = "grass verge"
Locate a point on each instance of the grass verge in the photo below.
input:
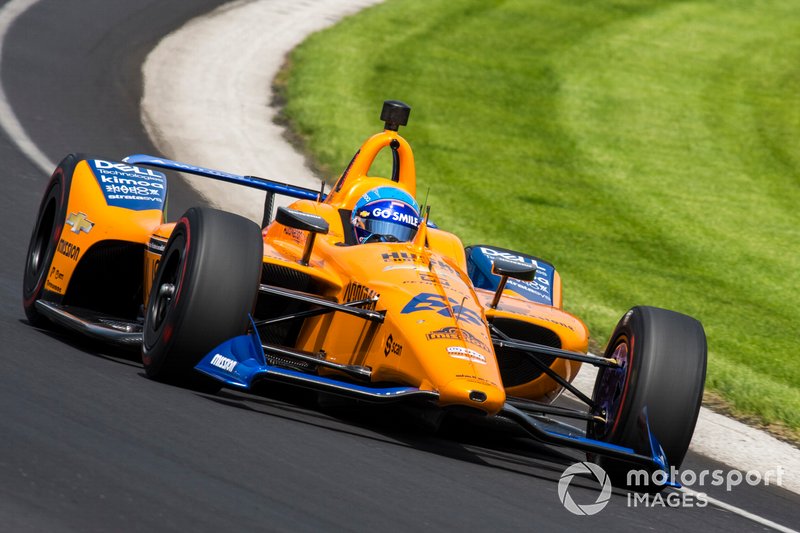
(647, 148)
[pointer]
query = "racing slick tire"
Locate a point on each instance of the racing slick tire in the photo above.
(663, 370)
(203, 290)
(44, 239)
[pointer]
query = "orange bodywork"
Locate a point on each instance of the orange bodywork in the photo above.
(435, 335)
(91, 220)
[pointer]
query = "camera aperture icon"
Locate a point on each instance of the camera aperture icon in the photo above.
(598, 474)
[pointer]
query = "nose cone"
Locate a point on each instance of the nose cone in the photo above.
(472, 393)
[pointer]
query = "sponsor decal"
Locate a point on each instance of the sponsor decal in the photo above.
(68, 249)
(556, 322)
(394, 213)
(459, 352)
(129, 186)
(428, 278)
(79, 223)
(392, 347)
(477, 379)
(441, 264)
(295, 234)
(56, 274)
(418, 268)
(408, 257)
(156, 245)
(225, 363)
(356, 291)
(455, 333)
(400, 257)
(428, 301)
(540, 289)
(53, 287)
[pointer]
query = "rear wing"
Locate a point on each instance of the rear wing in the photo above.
(269, 186)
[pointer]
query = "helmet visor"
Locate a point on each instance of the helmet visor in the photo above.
(387, 217)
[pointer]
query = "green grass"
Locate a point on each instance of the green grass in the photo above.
(651, 150)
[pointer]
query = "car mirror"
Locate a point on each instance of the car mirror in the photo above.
(304, 222)
(510, 269)
(513, 269)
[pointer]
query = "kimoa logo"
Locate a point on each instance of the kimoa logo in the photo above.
(599, 475)
(226, 364)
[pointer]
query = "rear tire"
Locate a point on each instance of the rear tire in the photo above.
(664, 355)
(205, 287)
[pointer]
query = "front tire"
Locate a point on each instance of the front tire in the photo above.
(205, 287)
(45, 236)
(663, 355)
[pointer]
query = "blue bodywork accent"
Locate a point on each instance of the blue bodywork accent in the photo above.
(237, 362)
(335, 384)
(248, 181)
(479, 268)
(657, 452)
(429, 301)
(596, 443)
(538, 429)
(128, 186)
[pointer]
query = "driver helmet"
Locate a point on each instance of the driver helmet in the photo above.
(385, 214)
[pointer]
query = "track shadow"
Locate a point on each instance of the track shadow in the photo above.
(492, 443)
(117, 354)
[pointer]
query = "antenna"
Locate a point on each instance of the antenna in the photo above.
(425, 202)
(321, 190)
(420, 240)
(461, 308)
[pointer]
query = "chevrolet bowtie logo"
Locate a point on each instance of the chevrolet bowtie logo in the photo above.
(79, 223)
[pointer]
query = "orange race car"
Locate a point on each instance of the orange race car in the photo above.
(356, 293)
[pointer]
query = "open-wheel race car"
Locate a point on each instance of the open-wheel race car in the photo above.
(353, 293)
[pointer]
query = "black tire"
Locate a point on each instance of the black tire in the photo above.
(665, 370)
(212, 265)
(44, 239)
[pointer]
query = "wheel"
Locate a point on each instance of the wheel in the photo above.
(44, 239)
(663, 356)
(203, 290)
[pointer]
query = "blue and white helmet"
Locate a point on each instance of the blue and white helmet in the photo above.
(385, 214)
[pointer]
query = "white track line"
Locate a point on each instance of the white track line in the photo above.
(8, 120)
(731, 442)
(207, 93)
(741, 512)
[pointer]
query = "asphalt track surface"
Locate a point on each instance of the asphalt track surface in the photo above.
(88, 443)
